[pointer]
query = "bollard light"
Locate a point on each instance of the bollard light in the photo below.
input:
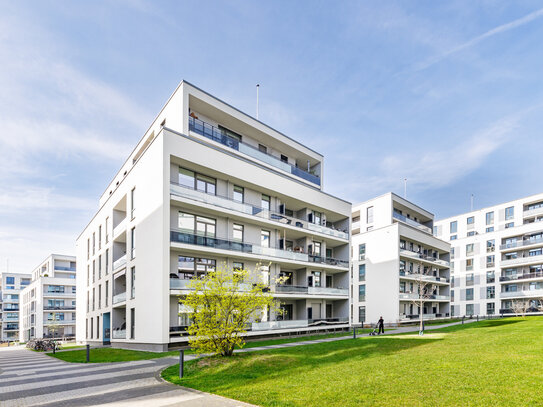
(181, 362)
(88, 353)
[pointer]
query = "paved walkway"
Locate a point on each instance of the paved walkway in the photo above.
(33, 379)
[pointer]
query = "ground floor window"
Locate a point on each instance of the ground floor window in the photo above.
(490, 308)
(469, 309)
(361, 314)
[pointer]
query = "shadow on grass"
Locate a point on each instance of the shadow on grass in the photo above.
(498, 322)
(217, 374)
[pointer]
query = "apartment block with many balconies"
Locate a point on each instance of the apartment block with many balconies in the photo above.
(48, 303)
(496, 258)
(10, 290)
(396, 261)
(209, 185)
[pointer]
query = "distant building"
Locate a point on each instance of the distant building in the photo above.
(392, 250)
(48, 303)
(496, 257)
(10, 290)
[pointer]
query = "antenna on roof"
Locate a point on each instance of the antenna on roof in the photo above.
(257, 86)
(471, 202)
(405, 188)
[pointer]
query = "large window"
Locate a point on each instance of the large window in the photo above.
(362, 251)
(190, 267)
(490, 261)
(490, 292)
(469, 309)
(238, 194)
(265, 202)
(362, 293)
(201, 225)
(200, 182)
(490, 245)
(490, 308)
(317, 248)
(237, 232)
(469, 249)
(509, 213)
(490, 278)
(453, 227)
(265, 238)
(469, 279)
(361, 272)
(469, 294)
(361, 314)
(489, 218)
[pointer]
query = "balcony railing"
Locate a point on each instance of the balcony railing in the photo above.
(411, 222)
(220, 136)
(121, 226)
(62, 268)
(424, 316)
(415, 296)
(328, 291)
(60, 307)
(291, 289)
(424, 277)
(522, 293)
(119, 334)
(533, 212)
(223, 244)
(119, 298)
(521, 243)
(421, 256)
(525, 276)
(522, 260)
(121, 261)
(300, 323)
(229, 203)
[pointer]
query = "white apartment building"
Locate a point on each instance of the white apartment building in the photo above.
(208, 184)
(394, 253)
(10, 290)
(48, 303)
(496, 257)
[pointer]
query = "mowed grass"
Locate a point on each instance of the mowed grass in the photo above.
(105, 355)
(489, 363)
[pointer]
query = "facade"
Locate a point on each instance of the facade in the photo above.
(10, 289)
(496, 257)
(207, 185)
(48, 303)
(393, 254)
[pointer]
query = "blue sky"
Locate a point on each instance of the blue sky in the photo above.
(446, 94)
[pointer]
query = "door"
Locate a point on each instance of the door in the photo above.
(328, 311)
(106, 323)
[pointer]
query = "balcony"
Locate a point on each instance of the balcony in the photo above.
(119, 334)
(522, 260)
(411, 222)
(522, 294)
(120, 228)
(532, 212)
(228, 203)
(121, 261)
(295, 289)
(121, 297)
(521, 243)
(424, 277)
(62, 307)
(223, 244)
(62, 268)
(301, 323)
(220, 136)
(60, 322)
(427, 298)
(58, 294)
(420, 256)
(525, 276)
(328, 291)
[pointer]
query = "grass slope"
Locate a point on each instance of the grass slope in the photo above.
(496, 362)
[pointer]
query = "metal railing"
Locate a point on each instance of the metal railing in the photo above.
(119, 298)
(62, 268)
(221, 136)
(412, 254)
(426, 277)
(229, 203)
(291, 289)
(537, 274)
(224, 244)
(524, 259)
(411, 222)
(521, 243)
(60, 307)
(415, 296)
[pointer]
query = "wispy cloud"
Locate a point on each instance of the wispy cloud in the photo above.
(476, 40)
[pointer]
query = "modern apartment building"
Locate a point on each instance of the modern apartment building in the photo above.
(48, 303)
(206, 185)
(496, 257)
(10, 291)
(394, 258)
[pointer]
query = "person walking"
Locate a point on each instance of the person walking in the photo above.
(381, 326)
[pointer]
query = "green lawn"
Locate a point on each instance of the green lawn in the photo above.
(495, 362)
(104, 355)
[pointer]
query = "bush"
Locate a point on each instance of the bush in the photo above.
(42, 345)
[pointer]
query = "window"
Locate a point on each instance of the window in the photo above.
(509, 213)
(190, 267)
(369, 214)
(490, 277)
(470, 220)
(469, 279)
(369, 228)
(88, 249)
(469, 249)
(100, 296)
(472, 233)
(237, 266)
(93, 271)
(490, 261)
(402, 244)
(93, 243)
(452, 295)
(490, 292)
(453, 237)
(361, 272)
(93, 297)
(469, 309)
(99, 267)
(88, 302)
(206, 184)
(453, 227)
(434, 230)
(263, 149)
(92, 328)
(469, 264)
(452, 253)
(490, 308)
(106, 227)
(362, 251)
(133, 282)
(132, 323)
(284, 158)
(205, 226)
(469, 294)
(265, 238)
(107, 261)
(317, 249)
(509, 225)
(133, 202)
(490, 229)
(362, 293)
(238, 193)
(317, 217)
(361, 314)
(490, 245)
(10, 280)
(133, 243)
(265, 202)
(316, 278)
(186, 178)
(237, 232)
(490, 218)
(99, 237)
(106, 294)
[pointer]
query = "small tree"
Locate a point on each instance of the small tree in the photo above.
(424, 289)
(223, 303)
(53, 327)
(520, 307)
